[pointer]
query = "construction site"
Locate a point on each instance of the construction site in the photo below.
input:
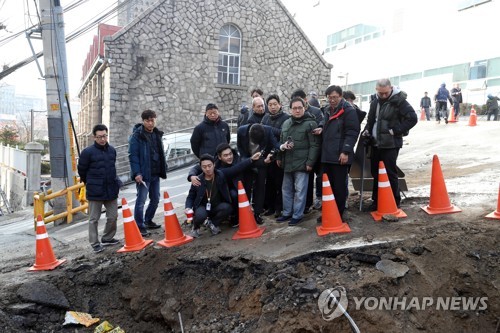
(424, 272)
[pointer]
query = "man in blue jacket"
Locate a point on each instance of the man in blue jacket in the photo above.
(441, 98)
(147, 165)
(96, 167)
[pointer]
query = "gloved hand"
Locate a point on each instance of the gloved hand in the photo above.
(366, 138)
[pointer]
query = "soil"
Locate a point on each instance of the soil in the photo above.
(272, 283)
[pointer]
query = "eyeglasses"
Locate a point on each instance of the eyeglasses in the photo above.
(100, 137)
(297, 108)
(333, 98)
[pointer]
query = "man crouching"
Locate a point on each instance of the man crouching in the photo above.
(210, 201)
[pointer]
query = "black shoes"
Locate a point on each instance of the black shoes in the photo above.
(283, 219)
(152, 225)
(294, 222)
(112, 241)
(269, 212)
(144, 232)
(258, 219)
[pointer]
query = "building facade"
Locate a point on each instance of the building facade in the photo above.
(178, 56)
(420, 47)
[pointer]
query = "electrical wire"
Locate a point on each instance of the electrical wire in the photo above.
(83, 29)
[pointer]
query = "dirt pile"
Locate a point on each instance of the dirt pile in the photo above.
(214, 290)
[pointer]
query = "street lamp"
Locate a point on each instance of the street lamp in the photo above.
(346, 77)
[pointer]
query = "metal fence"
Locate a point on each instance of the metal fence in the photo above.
(13, 158)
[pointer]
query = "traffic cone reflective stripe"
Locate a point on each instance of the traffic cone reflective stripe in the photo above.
(472, 118)
(248, 227)
(331, 222)
(174, 236)
(452, 116)
(244, 203)
(133, 237)
(386, 204)
(44, 258)
(496, 214)
(439, 200)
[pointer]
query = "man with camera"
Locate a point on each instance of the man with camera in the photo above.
(297, 155)
(254, 138)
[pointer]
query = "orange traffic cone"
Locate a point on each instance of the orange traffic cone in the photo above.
(331, 222)
(133, 237)
(472, 117)
(248, 227)
(422, 114)
(452, 118)
(496, 214)
(386, 204)
(45, 259)
(439, 201)
(173, 233)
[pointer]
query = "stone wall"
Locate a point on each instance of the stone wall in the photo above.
(166, 60)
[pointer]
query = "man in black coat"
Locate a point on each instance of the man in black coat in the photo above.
(232, 166)
(211, 132)
(96, 167)
(390, 118)
(210, 201)
(254, 138)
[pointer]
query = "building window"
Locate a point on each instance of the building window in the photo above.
(228, 71)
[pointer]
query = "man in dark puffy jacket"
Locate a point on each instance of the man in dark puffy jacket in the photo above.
(441, 98)
(147, 165)
(492, 106)
(318, 116)
(274, 181)
(210, 201)
(340, 133)
(390, 118)
(298, 153)
(211, 132)
(254, 138)
(232, 166)
(96, 167)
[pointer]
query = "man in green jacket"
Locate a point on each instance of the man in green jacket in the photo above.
(298, 152)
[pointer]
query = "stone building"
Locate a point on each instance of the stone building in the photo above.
(179, 55)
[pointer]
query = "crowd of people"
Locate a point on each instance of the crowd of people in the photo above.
(282, 155)
(454, 96)
(280, 159)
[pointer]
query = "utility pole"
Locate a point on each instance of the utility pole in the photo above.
(56, 82)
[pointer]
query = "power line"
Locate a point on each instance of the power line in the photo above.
(112, 13)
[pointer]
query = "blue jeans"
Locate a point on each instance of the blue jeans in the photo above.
(295, 193)
(153, 189)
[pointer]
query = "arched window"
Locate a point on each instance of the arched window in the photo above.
(228, 71)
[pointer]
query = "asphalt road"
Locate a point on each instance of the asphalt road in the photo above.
(15, 227)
